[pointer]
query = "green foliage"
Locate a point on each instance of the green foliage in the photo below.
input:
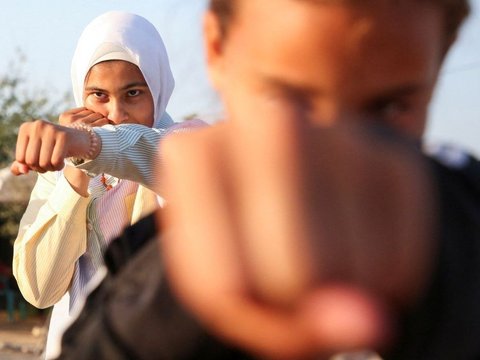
(17, 105)
(10, 215)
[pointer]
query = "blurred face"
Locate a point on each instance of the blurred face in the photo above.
(328, 61)
(117, 90)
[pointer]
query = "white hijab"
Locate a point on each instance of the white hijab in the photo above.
(118, 35)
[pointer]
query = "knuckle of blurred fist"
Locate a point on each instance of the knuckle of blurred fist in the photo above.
(169, 146)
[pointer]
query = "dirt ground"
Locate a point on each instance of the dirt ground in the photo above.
(22, 339)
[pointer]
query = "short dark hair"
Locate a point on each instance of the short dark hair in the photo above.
(223, 9)
(455, 13)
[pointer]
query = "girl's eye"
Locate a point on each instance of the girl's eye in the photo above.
(99, 95)
(133, 92)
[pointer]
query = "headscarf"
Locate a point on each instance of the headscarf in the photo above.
(118, 35)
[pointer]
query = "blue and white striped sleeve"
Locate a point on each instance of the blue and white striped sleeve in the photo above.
(130, 151)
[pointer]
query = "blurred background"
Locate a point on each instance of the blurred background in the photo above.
(37, 43)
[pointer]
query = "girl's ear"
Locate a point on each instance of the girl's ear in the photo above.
(213, 44)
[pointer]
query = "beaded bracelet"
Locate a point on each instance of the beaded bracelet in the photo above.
(94, 147)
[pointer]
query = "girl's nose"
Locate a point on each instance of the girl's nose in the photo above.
(117, 113)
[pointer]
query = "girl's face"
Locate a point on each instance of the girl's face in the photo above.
(117, 90)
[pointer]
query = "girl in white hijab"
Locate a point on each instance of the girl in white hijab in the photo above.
(123, 36)
(71, 217)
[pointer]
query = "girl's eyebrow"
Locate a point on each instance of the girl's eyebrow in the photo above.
(135, 84)
(128, 86)
(93, 88)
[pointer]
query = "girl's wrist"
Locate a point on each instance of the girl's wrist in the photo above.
(94, 147)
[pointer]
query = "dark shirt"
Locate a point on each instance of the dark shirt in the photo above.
(133, 314)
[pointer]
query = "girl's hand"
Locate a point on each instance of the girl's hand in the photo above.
(82, 115)
(42, 146)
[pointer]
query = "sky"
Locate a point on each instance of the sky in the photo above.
(45, 34)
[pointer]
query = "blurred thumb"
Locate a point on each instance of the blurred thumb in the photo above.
(343, 318)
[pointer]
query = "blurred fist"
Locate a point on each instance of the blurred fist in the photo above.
(290, 240)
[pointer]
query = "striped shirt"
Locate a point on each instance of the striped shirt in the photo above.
(62, 235)
(58, 225)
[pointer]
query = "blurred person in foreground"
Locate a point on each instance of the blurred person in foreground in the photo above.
(310, 222)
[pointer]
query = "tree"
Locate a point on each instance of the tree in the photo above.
(17, 105)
